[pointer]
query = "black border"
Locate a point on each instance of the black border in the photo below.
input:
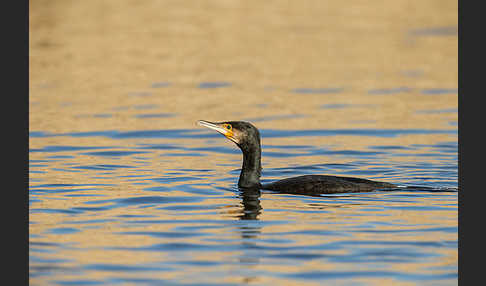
(15, 118)
(470, 132)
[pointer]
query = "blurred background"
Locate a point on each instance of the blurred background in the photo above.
(92, 54)
(126, 189)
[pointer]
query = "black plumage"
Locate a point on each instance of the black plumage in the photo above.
(247, 138)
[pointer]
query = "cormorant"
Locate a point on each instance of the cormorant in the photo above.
(247, 138)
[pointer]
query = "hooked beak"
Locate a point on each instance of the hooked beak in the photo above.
(219, 128)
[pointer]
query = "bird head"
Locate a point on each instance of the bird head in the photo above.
(244, 134)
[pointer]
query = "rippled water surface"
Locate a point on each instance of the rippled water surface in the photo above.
(162, 206)
(126, 189)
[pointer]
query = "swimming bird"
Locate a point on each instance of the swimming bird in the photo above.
(247, 138)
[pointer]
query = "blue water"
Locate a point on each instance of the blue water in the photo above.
(126, 189)
(161, 207)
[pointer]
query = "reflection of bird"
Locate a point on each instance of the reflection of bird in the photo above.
(250, 199)
(247, 138)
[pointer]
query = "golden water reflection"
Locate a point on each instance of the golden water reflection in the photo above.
(110, 204)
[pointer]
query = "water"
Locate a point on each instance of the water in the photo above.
(126, 189)
(162, 207)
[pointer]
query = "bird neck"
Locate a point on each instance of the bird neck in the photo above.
(251, 169)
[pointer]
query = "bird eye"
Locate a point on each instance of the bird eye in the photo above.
(228, 127)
